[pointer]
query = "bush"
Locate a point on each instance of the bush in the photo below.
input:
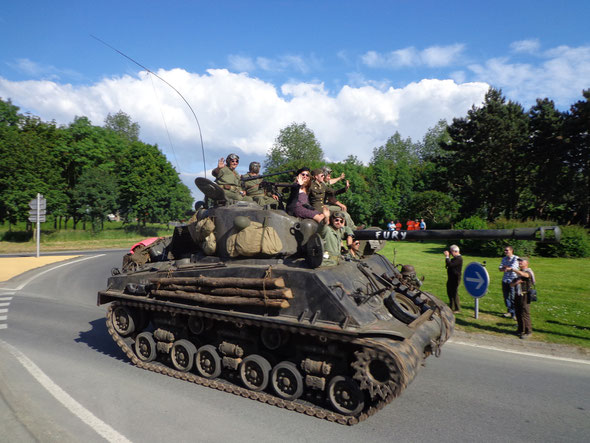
(575, 243)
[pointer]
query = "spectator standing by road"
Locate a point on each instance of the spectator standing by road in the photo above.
(523, 283)
(422, 224)
(454, 267)
(398, 225)
(508, 266)
(391, 226)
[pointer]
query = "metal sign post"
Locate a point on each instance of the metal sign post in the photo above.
(37, 215)
(476, 281)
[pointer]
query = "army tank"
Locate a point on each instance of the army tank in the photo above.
(239, 299)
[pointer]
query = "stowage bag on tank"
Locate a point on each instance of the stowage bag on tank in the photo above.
(253, 240)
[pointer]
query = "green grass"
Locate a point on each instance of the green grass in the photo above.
(562, 314)
(115, 235)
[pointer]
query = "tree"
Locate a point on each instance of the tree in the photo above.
(121, 124)
(577, 131)
(436, 207)
(295, 147)
(96, 195)
(391, 175)
(547, 153)
(487, 157)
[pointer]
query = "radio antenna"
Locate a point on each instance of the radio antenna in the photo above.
(176, 90)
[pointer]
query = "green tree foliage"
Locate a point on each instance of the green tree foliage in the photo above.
(577, 133)
(296, 146)
(121, 124)
(487, 157)
(435, 206)
(74, 168)
(96, 195)
(150, 189)
(391, 173)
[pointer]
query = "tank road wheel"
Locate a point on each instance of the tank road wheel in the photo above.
(208, 362)
(183, 355)
(345, 395)
(377, 372)
(145, 347)
(402, 307)
(287, 380)
(123, 322)
(254, 372)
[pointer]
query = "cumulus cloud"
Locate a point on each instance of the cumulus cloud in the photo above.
(560, 74)
(432, 57)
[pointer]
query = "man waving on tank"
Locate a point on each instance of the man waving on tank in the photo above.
(228, 179)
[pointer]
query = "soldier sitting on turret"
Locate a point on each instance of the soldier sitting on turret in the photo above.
(254, 189)
(228, 179)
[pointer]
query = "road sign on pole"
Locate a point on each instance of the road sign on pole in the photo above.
(37, 215)
(476, 281)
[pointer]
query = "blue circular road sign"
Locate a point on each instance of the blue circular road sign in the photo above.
(476, 279)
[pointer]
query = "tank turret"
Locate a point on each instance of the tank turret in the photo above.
(238, 300)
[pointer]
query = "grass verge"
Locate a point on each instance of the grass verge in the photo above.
(562, 314)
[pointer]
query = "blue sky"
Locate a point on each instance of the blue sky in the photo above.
(355, 72)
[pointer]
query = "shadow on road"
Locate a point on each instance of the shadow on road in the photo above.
(99, 339)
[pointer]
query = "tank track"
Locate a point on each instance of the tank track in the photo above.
(409, 363)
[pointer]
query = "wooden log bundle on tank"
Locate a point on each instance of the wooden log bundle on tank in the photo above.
(269, 292)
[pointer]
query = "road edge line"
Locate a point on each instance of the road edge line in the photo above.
(528, 354)
(100, 427)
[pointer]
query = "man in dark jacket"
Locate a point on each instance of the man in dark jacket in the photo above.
(454, 268)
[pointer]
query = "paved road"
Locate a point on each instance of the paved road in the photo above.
(63, 379)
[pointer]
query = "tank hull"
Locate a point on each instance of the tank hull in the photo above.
(337, 343)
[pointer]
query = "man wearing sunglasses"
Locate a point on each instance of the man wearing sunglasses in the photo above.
(333, 234)
(229, 180)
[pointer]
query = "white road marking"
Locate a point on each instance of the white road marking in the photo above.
(25, 283)
(3, 317)
(5, 298)
(100, 427)
(3, 311)
(4, 304)
(528, 354)
(3, 326)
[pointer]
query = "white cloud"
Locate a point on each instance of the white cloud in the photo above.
(241, 114)
(278, 64)
(529, 46)
(433, 57)
(48, 72)
(561, 75)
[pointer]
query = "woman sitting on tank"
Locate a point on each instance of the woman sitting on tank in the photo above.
(298, 202)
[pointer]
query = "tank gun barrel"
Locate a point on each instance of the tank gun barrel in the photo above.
(537, 234)
(256, 177)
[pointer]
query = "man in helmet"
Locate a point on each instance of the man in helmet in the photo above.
(254, 189)
(333, 234)
(228, 179)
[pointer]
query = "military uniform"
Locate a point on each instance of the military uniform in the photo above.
(317, 195)
(229, 181)
(333, 242)
(258, 194)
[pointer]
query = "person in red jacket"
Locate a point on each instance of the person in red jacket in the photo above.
(410, 225)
